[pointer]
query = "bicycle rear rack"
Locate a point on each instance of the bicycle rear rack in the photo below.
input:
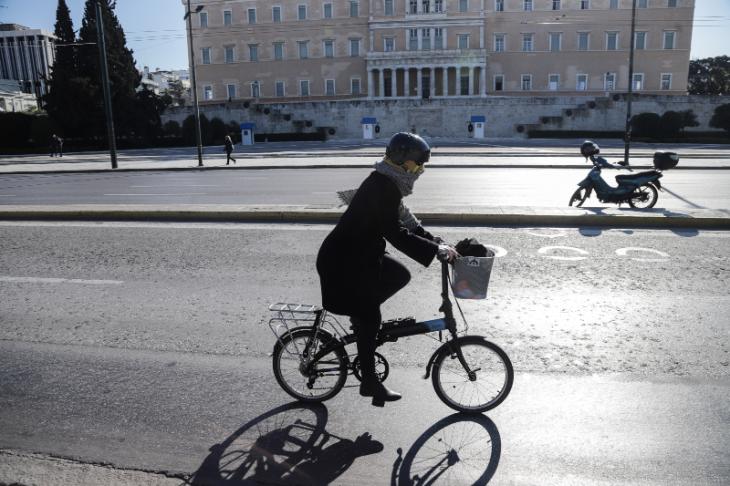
(289, 316)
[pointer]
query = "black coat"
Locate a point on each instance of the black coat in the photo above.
(349, 260)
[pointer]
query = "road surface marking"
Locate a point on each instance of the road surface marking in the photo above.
(177, 185)
(622, 252)
(545, 235)
(7, 195)
(170, 194)
(499, 252)
(58, 280)
(547, 249)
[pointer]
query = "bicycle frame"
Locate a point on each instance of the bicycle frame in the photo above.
(451, 345)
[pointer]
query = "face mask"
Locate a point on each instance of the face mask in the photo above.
(418, 170)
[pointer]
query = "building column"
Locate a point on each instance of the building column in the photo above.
(471, 80)
(445, 84)
(407, 82)
(371, 84)
(381, 83)
(457, 79)
(432, 81)
(393, 85)
(419, 80)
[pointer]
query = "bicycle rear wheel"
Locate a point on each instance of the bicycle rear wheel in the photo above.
(307, 382)
(490, 381)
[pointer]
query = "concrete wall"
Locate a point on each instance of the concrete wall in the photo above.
(449, 117)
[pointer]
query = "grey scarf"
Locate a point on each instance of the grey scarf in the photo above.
(404, 180)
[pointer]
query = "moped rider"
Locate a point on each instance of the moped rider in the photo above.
(356, 273)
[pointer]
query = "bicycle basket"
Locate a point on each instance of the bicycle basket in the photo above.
(470, 276)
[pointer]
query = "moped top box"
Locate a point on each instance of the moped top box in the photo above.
(665, 160)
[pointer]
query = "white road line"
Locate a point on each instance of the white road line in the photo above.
(58, 280)
(177, 185)
(7, 195)
(170, 194)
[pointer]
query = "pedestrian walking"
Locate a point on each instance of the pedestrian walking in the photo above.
(59, 146)
(53, 144)
(228, 146)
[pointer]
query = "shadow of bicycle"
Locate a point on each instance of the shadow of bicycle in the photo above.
(459, 449)
(287, 445)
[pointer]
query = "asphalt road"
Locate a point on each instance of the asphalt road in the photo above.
(144, 346)
(438, 187)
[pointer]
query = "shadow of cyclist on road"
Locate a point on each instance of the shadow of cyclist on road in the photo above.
(287, 445)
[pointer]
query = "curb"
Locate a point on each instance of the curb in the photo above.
(608, 218)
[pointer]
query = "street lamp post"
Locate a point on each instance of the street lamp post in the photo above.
(627, 136)
(105, 86)
(188, 16)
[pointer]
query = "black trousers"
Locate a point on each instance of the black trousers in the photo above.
(393, 277)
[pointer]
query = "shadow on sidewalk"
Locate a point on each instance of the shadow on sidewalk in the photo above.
(459, 449)
(287, 445)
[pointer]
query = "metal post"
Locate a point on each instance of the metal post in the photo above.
(194, 86)
(627, 135)
(105, 86)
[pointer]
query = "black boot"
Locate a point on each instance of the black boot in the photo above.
(372, 387)
(366, 331)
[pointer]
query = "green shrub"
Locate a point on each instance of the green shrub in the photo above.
(646, 125)
(721, 118)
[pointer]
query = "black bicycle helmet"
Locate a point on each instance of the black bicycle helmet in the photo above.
(589, 148)
(405, 146)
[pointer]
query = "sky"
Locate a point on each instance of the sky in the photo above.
(155, 29)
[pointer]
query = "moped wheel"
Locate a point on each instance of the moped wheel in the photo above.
(579, 197)
(309, 382)
(644, 197)
(490, 381)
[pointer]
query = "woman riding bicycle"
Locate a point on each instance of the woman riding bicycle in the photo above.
(356, 274)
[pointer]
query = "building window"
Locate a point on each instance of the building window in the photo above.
(327, 11)
(463, 5)
(329, 87)
(585, 4)
(302, 12)
(413, 39)
(354, 47)
(304, 87)
(276, 14)
(499, 82)
(669, 40)
(203, 20)
(641, 4)
(228, 17)
(498, 42)
(609, 81)
(527, 42)
(425, 6)
(666, 83)
(278, 51)
(280, 89)
(638, 81)
(229, 55)
(329, 48)
(640, 40)
(671, 4)
(255, 89)
(463, 83)
(581, 82)
(438, 6)
(354, 9)
(583, 38)
(611, 41)
(555, 41)
(355, 86)
(438, 38)
(463, 41)
(499, 5)
(554, 82)
(613, 4)
(206, 55)
(413, 6)
(426, 39)
(388, 7)
(253, 52)
(556, 4)
(207, 92)
(526, 83)
(303, 49)
(231, 89)
(527, 5)
(388, 44)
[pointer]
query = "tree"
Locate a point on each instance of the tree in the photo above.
(721, 118)
(670, 123)
(176, 90)
(218, 130)
(646, 125)
(172, 128)
(188, 130)
(123, 75)
(689, 119)
(709, 76)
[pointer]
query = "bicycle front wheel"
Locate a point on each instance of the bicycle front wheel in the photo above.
(303, 380)
(484, 386)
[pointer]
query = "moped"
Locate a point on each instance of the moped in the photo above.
(639, 190)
